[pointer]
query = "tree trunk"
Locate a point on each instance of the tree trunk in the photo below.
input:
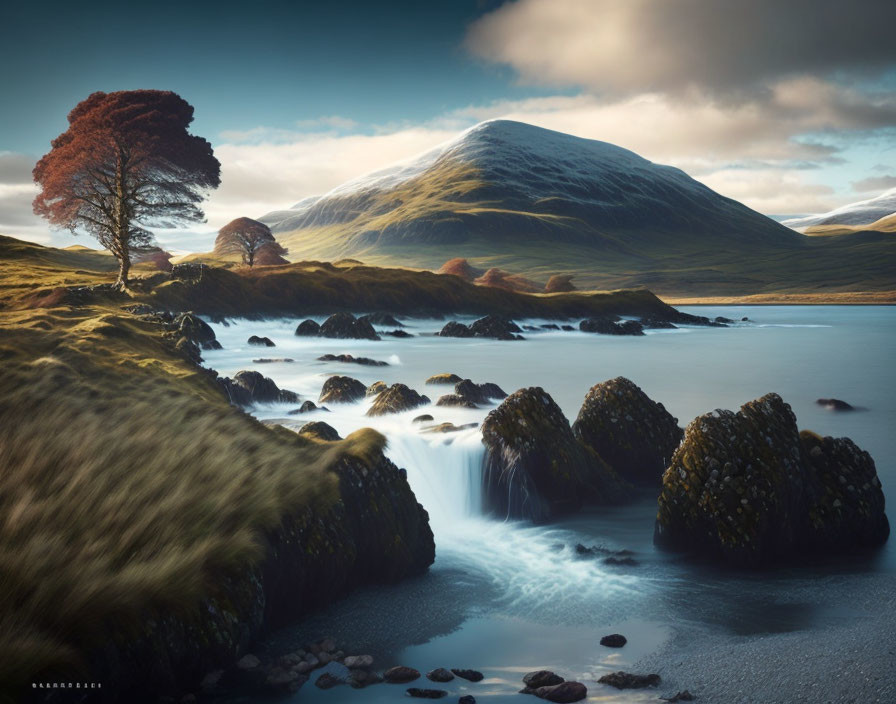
(124, 268)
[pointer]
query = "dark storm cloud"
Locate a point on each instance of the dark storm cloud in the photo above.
(672, 46)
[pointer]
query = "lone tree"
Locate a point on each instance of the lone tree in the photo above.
(250, 239)
(125, 163)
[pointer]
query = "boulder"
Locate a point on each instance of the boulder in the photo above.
(628, 680)
(497, 327)
(567, 328)
(748, 488)
(319, 431)
(342, 389)
(453, 400)
(444, 379)
(440, 675)
(423, 418)
(308, 328)
(196, 330)
(273, 360)
(347, 326)
(375, 388)
(651, 323)
(535, 468)
(260, 341)
(614, 640)
(449, 427)
(356, 661)
(248, 662)
(455, 329)
(248, 387)
(306, 407)
(835, 404)
(542, 678)
(349, 359)
(478, 393)
(400, 674)
(188, 349)
(395, 399)
(397, 333)
(611, 326)
(419, 693)
(631, 433)
(327, 681)
(563, 692)
(471, 675)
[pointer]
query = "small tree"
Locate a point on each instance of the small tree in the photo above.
(126, 162)
(251, 240)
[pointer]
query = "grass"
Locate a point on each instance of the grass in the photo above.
(884, 224)
(127, 483)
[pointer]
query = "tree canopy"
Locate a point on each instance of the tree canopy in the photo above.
(126, 163)
(251, 240)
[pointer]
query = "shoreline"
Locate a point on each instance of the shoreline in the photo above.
(860, 298)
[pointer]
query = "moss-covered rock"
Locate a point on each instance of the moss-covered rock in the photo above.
(535, 468)
(395, 399)
(342, 389)
(347, 326)
(375, 388)
(444, 379)
(745, 487)
(478, 393)
(633, 434)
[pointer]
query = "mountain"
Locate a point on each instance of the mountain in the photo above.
(537, 202)
(863, 214)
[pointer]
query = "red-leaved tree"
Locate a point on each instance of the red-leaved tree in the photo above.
(126, 163)
(251, 240)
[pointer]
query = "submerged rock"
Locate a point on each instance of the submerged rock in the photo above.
(633, 434)
(611, 326)
(308, 328)
(749, 488)
(260, 341)
(306, 407)
(419, 693)
(444, 379)
(439, 675)
(347, 326)
(628, 680)
(350, 359)
(400, 674)
(342, 389)
(383, 319)
(395, 399)
(835, 404)
(327, 681)
(397, 333)
(356, 661)
(248, 387)
(423, 418)
(542, 678)
(614, 640)
(449, 428)
(564, 692)
(478, 393)
(535, 468)
(273, 360)
(455, 329)
(471, 675)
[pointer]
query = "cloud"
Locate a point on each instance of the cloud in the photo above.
(334, 122)
(874, 183)
(648, 46)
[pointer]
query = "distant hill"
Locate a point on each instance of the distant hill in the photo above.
(511, 196)
(863, 215)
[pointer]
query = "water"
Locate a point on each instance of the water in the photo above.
(508, 597)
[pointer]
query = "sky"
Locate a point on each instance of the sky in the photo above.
(789, 107)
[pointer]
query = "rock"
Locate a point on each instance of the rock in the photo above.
(722, 319)
(440, 675)
(342, 389)
(356, 661)
(497, 327)
(471, 675)
(328, 645)
(320, 431)
(444, 379)
(542, 678)
(197, 330)
(273, 360)
(611, 326)
(550, 326)
(453, 400)
(395, 399)
(308, 328)
(683, 696)
(535, 468)
(324, 657)
(650, 323)
(564, 692)
(567, 328)
(559, 283)
(400, 674)
(422, 419)
(449, 428)
(835, 404)
(467, 699)
(627, 680)
(349, 359)
(327, 681)
(455, 329)
(530, 328)
(347, 326)
(250, 387)
(615, 640)
(188, 349)
(248, 662)
(631, 433)
(749, 488)
(306, 407)
(745, 319)
(478, 393)
(426, 693)
(398, 333)
(375, 388)
(383, 319)
(260, 341)
(281, 680)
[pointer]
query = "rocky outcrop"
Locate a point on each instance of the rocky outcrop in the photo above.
(395, 399)
(319, 430)
(375, 388)
(196, 330)
(749, 488)
(535, 468)
(559, 283)
(444, 379)
(492, 326)
(835, 404)
(308, 328)
(611, 326)
(478, 393)
(634, 435)
(257, 341)
(306, 407)
(342, 389)
(498, 278)
(455, 401)
(250, 387)
(455, 329)
(350, 359)
(347, 326)
(462, 268)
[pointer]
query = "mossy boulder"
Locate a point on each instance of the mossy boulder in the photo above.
(746, 488)
(249, 387)
(375, 388)
(319, 431)
(633, 434)
(444, 379)
(347, 326)
(395, 399)
(535, 468)
(342, 389)
(455, 401)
